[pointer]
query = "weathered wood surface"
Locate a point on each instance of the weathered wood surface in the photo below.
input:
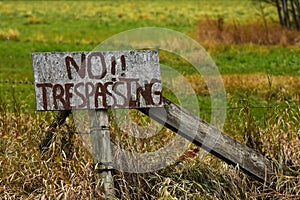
(212, 139)
(97, 80)
(101, 149)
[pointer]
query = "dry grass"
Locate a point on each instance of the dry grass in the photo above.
(256, 83)
(9, 34)
(66, 170)
(34, 20)
(217, 32)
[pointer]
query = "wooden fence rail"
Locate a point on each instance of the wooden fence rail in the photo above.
(213, 140)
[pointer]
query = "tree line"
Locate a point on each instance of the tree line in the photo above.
(288, 12)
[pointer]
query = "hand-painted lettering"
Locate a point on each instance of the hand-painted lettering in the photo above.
(70, 61)
(126, 92)
(94, 80)
(95, 56)
(95, 61)
(44, 92)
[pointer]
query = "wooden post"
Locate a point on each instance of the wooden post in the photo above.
(213, 140)
(101, 149)
(96, 81)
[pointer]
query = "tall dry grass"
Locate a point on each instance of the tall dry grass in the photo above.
(256, 83)
(216, 31)
(66, 170)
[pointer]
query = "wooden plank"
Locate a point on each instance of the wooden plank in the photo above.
(212, 139)
(97, 80)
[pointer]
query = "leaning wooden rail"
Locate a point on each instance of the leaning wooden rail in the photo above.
(59, 120)
(213, 140)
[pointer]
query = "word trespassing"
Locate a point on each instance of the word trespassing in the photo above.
(124, 93)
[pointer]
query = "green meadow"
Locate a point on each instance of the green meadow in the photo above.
(259, 66)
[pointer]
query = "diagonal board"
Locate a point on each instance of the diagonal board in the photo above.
(212, 139)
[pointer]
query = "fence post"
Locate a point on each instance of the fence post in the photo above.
(101, 150)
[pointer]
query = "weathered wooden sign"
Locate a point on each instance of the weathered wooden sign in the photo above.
(93, 80)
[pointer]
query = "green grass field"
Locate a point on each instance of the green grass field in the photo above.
(262, 83)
